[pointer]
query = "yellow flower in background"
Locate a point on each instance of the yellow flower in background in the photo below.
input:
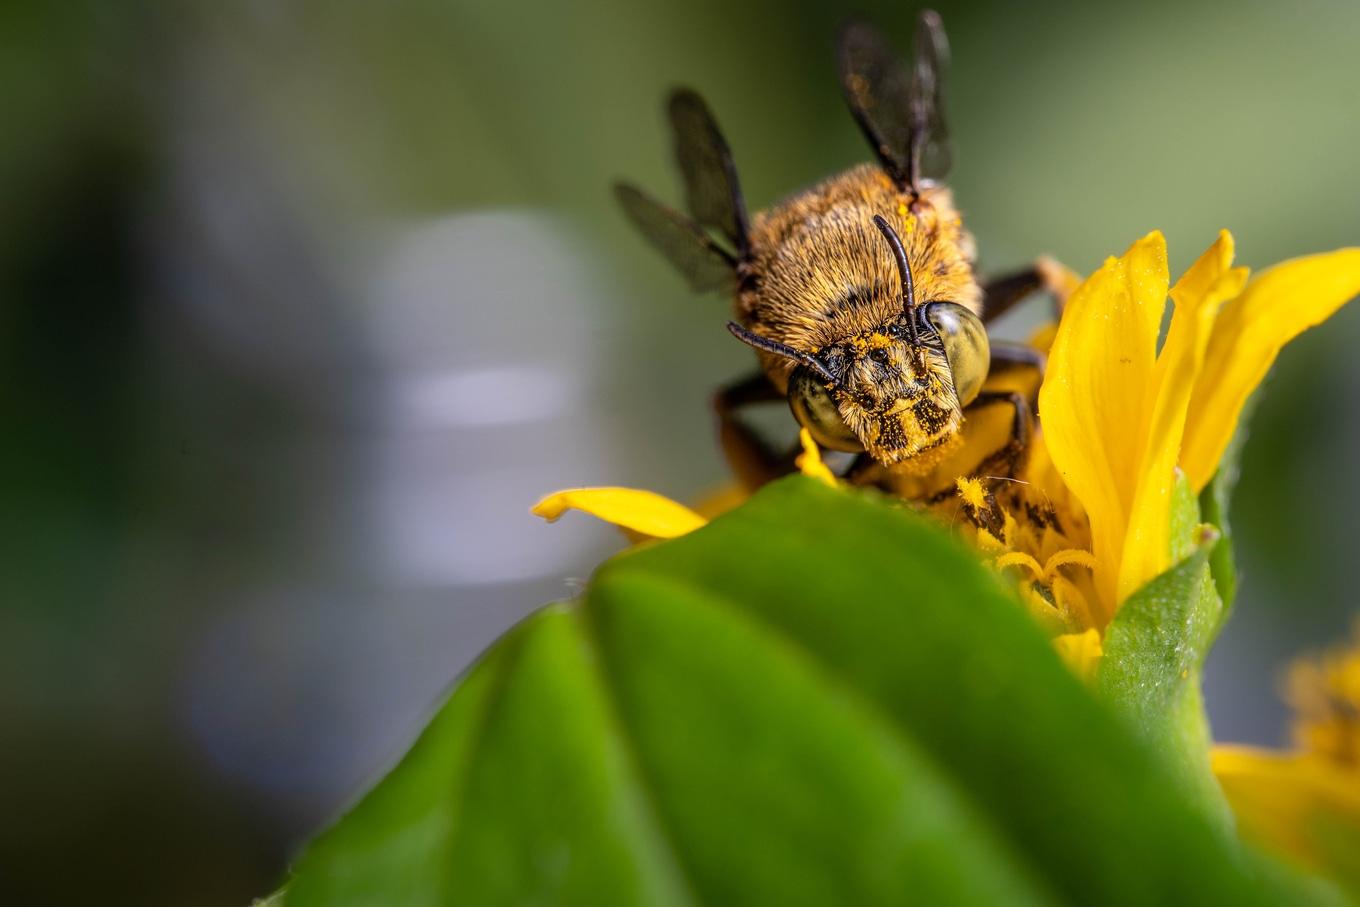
(1306, 802)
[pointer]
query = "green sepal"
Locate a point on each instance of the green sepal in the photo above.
(1214, 502)
(1154, 652)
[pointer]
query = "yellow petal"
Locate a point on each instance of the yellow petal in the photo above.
(1289, 801)
(1081, 652)
(642, 512)
(1095, 401)
(810, 463)
(1074, 604)
(1281, 303)
(1042, 338)
(1208, 283)
(1020, 559)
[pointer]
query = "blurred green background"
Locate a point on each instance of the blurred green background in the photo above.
(305, 303)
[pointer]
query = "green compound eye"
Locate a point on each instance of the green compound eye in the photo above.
(815, 410)
(965, 346)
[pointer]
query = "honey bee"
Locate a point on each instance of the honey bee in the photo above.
(858, 294)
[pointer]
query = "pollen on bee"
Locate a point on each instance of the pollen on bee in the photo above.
(909, 219)
(972, 491)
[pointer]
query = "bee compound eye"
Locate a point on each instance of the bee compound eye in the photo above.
(816, 411)
(965, 346)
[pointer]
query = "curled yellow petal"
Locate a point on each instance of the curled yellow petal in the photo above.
(1199, 293)
(1291, 802)
(1095, 401)
(1081, 652)
(643, 512)
(1068, 556)
(1281, 303)
(1020, 559)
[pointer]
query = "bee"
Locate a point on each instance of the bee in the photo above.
(859, 294)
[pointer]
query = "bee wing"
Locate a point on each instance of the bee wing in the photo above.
(711, 186)
(900, 110)
(927, 94)
(705, 264)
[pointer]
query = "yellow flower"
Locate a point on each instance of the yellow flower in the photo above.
(1306, 803)
(1119, 415)
(1088, 522)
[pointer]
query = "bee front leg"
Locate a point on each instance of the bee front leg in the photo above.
(1008, 458)
(750, 456)
(1001, 294)
(1014, 358)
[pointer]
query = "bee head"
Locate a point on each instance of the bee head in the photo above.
(897, 391)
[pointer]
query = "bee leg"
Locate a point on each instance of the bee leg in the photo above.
(1001, 294)
(1010, 456)
(1015, 357)
(751, 457)
(1016, 368)
(864, 470)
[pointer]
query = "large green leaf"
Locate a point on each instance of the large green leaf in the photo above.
(818, 699)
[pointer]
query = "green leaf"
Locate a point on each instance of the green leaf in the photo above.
(1337, 837)
(819, 698)
(1213, 502)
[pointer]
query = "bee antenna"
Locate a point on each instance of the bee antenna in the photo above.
(903, 269)
(779, 349)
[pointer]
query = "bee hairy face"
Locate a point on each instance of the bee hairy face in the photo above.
(897, 395)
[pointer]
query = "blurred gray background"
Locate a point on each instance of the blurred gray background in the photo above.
(304, 304)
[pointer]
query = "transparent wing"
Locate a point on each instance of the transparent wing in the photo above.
(711, 187)
(927, 96)
(705, 264)
(899, 109)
